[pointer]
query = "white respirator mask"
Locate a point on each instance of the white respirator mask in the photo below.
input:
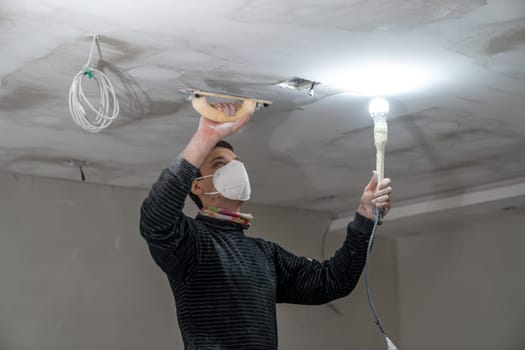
(231, 181)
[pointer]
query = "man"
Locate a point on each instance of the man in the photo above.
(226, 284)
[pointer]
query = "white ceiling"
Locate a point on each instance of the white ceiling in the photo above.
(459, 126)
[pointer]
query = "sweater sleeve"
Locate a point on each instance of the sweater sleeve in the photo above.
(305, 281)
(171, 236)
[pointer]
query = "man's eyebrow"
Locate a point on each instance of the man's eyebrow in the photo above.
(221, 158)
(217, 158)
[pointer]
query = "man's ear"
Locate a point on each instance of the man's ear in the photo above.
(196, 189)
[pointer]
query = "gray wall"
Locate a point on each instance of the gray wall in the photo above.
(76, 275)
(462, 278)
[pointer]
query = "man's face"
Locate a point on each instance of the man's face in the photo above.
(218, 157)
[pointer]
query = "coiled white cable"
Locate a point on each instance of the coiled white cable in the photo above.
(108, 98)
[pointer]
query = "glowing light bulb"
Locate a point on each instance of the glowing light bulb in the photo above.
(378, 109)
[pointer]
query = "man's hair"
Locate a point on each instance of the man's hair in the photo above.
(196, 198)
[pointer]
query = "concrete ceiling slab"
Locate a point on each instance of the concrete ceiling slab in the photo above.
(462, 127)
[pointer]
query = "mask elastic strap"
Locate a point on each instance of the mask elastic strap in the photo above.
(203, 177)
(210, 193)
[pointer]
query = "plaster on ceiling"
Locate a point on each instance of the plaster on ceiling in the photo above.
(463, 128)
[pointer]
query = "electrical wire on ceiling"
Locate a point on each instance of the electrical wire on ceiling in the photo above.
(80, 164)
(108, 108)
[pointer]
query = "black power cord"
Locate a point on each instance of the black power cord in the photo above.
(378, 214)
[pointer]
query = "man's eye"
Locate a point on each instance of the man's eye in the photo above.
(219, 164)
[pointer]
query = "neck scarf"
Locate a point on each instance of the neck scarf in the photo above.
(227, 215)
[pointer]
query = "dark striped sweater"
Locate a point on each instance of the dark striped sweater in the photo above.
(226, 284)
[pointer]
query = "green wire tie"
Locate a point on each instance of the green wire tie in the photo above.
(88, 72)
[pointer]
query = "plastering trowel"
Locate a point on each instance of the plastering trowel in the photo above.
(201, 105)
